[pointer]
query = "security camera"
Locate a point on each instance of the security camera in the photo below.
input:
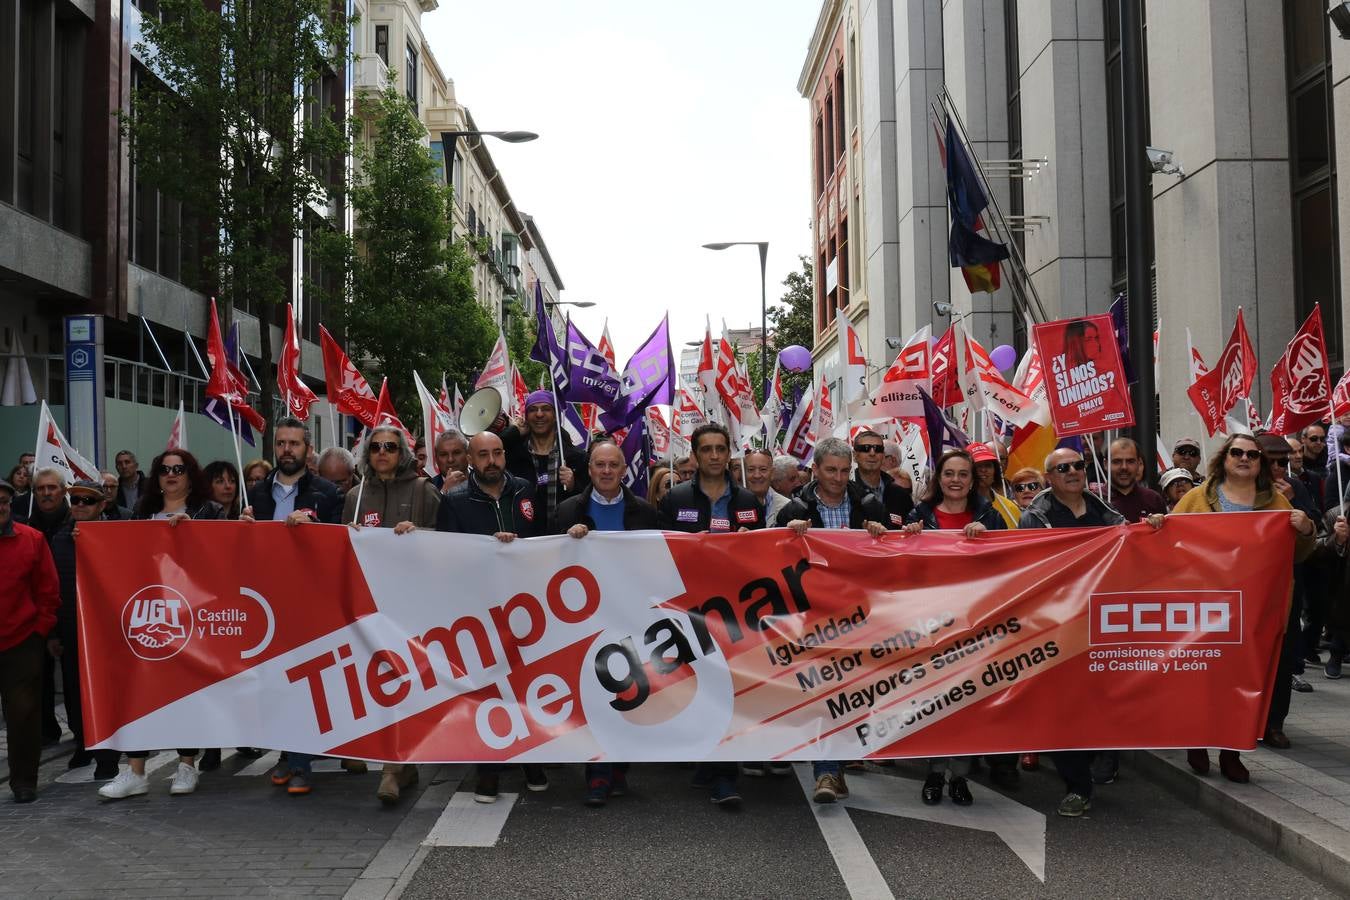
(942, 307)
(1162, 163)
(895, 343)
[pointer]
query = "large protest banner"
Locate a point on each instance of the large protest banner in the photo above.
(1087, 390)
(644, 646)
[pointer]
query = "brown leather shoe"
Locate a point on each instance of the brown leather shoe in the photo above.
(1276, 738)
(1230, 764)
(1198, 760)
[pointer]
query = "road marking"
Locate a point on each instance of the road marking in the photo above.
(335, 765)
(261, 765)
(467, 823)
(1020, 827)
(856, 865)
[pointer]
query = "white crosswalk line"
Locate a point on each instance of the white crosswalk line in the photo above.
(260, 766)
(466, 823)
(335, 765)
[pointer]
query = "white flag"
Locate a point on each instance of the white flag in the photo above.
(18, 389)
(435, 422)
(53, 450)
(178, 433)
(855, 361)
(497, 372)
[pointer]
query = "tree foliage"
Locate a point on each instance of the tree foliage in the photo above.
(413, 303)
(520, 335)
(223, 127)
(790, 322)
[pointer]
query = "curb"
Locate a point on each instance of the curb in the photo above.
(1289, 832)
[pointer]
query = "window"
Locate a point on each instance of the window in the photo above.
(382, 42)
(410, 76)
(839, 139)
(829, 136)
(1312, 168)
(820, 157)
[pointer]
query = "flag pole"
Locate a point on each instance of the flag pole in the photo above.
(238, 456)
(43, 413)
(361, 487)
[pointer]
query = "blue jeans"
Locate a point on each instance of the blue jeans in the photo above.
(827, 767)
(299, 762)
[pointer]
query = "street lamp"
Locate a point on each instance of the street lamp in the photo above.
(579, 304)
(763, 308)
(449, 138)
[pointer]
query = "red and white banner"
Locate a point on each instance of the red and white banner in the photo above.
(347, 388)
(436, 421)
(854, 360)
(1088, 391)
(497, 371)
(984, 387)
(898, 394)
(1300, 383)
(294, 392)
(178, 431)
(647, 646)
(1216, 392)
(55, 451)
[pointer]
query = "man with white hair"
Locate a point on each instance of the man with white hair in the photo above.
(452, 461)
(339, 466)
(784, 478)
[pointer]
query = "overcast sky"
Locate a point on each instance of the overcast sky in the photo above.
(662, 127)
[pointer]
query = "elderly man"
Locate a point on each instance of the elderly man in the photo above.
(608, 507)
(685, 466)
(493, 502)
(759, 479)
(29, 597)
(1069, 504)
(831, 500)
(535, 456)
(452, 461)
(1186, 455)
(87, 502)
(784, 478)
(338, 466)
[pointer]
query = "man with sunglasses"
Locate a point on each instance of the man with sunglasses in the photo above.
(1069, 504)
(1315, 456)
(869, 475)
(29, 597)
(1186, 455)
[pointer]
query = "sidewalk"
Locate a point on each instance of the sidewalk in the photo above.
(1297, 805)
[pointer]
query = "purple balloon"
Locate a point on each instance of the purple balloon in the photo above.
(1004, 357)
(795, 358)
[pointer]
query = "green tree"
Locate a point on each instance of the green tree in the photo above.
(520, 335)
(224, 128)
(790, 322)
(413, 303)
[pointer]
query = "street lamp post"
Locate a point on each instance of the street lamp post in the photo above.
(763, 308)
(449, 139)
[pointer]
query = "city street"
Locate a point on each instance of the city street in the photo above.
(238, 836)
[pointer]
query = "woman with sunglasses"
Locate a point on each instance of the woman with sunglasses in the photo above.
(952, 504)
(174, 492)
(1025, 484)
(1241, 480)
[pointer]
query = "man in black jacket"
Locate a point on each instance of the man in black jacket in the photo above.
(496, 503)
(534, 457)
(710, 501)
(869, 453)
(609, 506)
(290, 493)
(87, 503)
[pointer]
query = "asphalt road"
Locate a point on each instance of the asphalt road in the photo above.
(238, 836)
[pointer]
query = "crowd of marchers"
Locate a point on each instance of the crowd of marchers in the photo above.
(524, 479)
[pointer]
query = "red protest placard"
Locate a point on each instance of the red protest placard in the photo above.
(1087, 389)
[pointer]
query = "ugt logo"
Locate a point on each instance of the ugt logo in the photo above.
(157, 622)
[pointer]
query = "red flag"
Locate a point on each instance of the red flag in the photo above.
(385, 414)
(1300, 383)
(1217, 391)
(226, 383)
(707, 365)
(1340, 397)
(520, 392)
(347, 389)
(295, 392)
(946, 390)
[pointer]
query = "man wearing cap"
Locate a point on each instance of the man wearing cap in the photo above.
(1289, 670)
(87, 502)
(534, 456)
(1175, 483)
(1186, 455)
(29, 597)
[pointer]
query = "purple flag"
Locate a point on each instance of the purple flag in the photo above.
(634, 449)
(1120, 324)
(575, 427)
(648, 378)
(942, 434)
(218, 411)
(593, 380)
(546, 349)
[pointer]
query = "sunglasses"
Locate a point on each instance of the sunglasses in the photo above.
(1065, 468)
(1187, 451)
(1239, 453)
(869, 448)
(80, 500)
(1027, 487)
(385, 446)
(175, 469)
(1315, 440)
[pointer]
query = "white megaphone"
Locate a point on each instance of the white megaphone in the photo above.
(480, 411)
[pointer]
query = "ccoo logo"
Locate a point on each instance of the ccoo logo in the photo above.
(157, 622)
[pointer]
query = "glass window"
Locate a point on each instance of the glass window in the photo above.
(1311, 147)
(382, 42)
(410, 76)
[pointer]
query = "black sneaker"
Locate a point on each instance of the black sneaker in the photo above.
(704, 777)
(485, 791)
(1333, 667)
(724, 793)
(1300, 685)
(597, 792)
(79, 759)
(932, 789)
(210, 760)
(249, 752)
(535, 779)
(1105, 768)
(959, 791)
